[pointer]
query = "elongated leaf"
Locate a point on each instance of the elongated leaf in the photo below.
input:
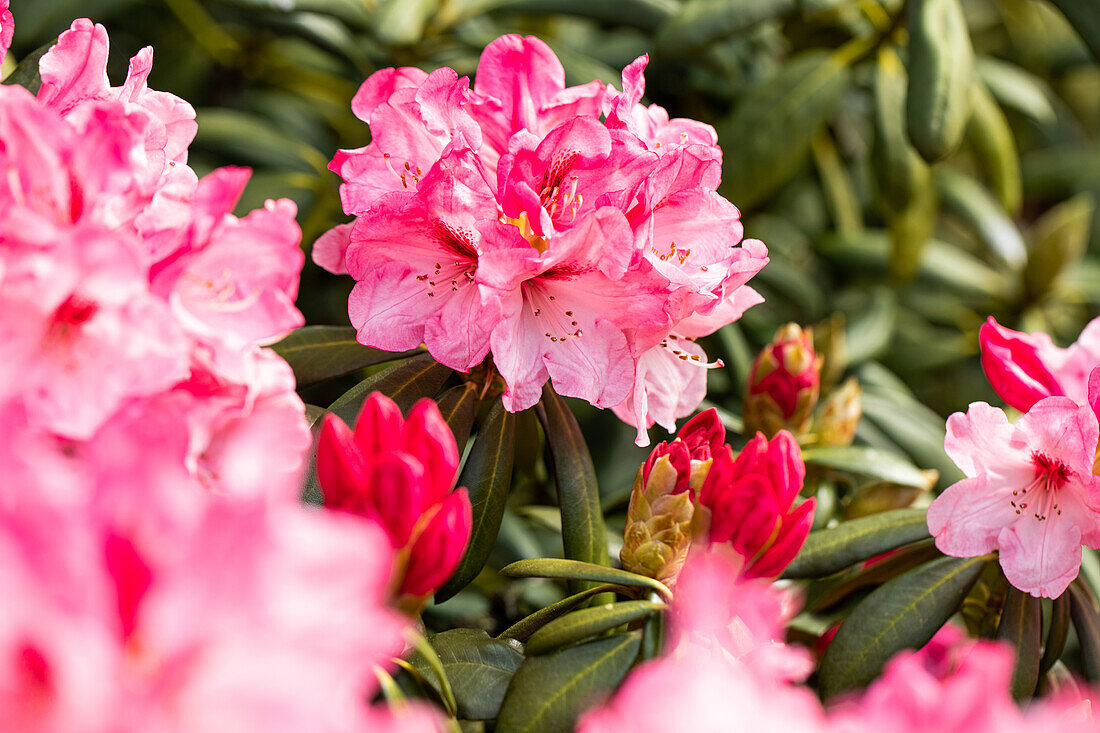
(1086, 622)
(941, 68)
(829, 593)
(1084, 16)
(552, 567)
(913, 427)
(1058, 241)
(1022, 626)
(1016, 88)
(458, 406)
(402, 22)
(317, 353)
(1057, 634)
(870, 330)
(548, 693)
(977, 208)
(866, 461)
(828, 551)
(405, 383)
(701, 22)
(780, 116)
(583, 534)
(995, 147)
(478, 666)
(522, 629)
(488, 477)
(588, 622)
(644, 14)
(904, 613)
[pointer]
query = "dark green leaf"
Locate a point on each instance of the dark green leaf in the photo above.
(478, 666)
(1084, 16)
(488, 477)
(583, 534)
(644, 14)
(701, 22)
(552, 567)
(828, 551)
(1057, 634)
(1022, 627)
(830, 592)
(588, 622)
(548, 693)
(977, 208)
(904, 613)
(522, 629)
(1086, 622)
(317, 353)
(405, 383)
(941, 69)
(1058, 240)
(780, 116)
(458, 406)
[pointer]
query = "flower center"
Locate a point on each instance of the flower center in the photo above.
(522, 223)
(1039, 496)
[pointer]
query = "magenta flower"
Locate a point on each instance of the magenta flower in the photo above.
(750, 503)
(1024, 368)
(511, 219)
(399, 472)
(1029, 492)
(7, 29)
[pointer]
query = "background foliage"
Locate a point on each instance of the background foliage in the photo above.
(895, 234)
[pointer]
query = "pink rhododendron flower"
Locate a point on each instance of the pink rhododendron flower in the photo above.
(512, 219)
(748, 503)
(400, 473)
(1029, 492)
(7, 29)
(1024, 368)
(950, 685)
(726, 667)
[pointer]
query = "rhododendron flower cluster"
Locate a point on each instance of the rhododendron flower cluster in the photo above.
(572, 232)
(167, 576)
(400, 472)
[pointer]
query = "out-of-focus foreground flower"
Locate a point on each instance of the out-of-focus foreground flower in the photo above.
(511, 218)
(400, 472)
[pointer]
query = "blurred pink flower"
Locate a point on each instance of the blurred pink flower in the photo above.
(749, 503)
(1029, 492)
(1024, 368)
(510, 218)
(952, 685)
(399, 472)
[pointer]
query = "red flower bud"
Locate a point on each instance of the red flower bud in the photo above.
(784, 382)
(1014, 365)
(438, 548)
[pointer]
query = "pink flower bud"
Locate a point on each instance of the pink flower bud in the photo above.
(749, 503)
(784, 382)
(437, 550)
(397, 486)
(341, 467)
(378, 425)
(427, 436)
(1014, 364)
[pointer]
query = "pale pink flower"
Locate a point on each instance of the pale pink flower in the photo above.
(1029, 492)
(1024, 368)
(74, 72)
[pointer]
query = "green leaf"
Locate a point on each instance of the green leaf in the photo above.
(487, 475)
(1058, 241)
(548, 693)
(870, 330)
(914, 428)
(1086, 622)
(405, 383)
(867, 461)
(458, 405)
(402, 22)
(587, 622)
(26, 73)
(552, 567)
(941, 69)
(478, 666)
(701, 22)
(1022, 626)
(245, 138)
(828, 551)
(1057, 634)
(994, 146)
(522, 629)
(780, 116)
(584, 536)
(904, 613)
(646, 15)
(317, 353)
(1084, 16)
(834, 590)
(1016, 88)
(972, 203)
